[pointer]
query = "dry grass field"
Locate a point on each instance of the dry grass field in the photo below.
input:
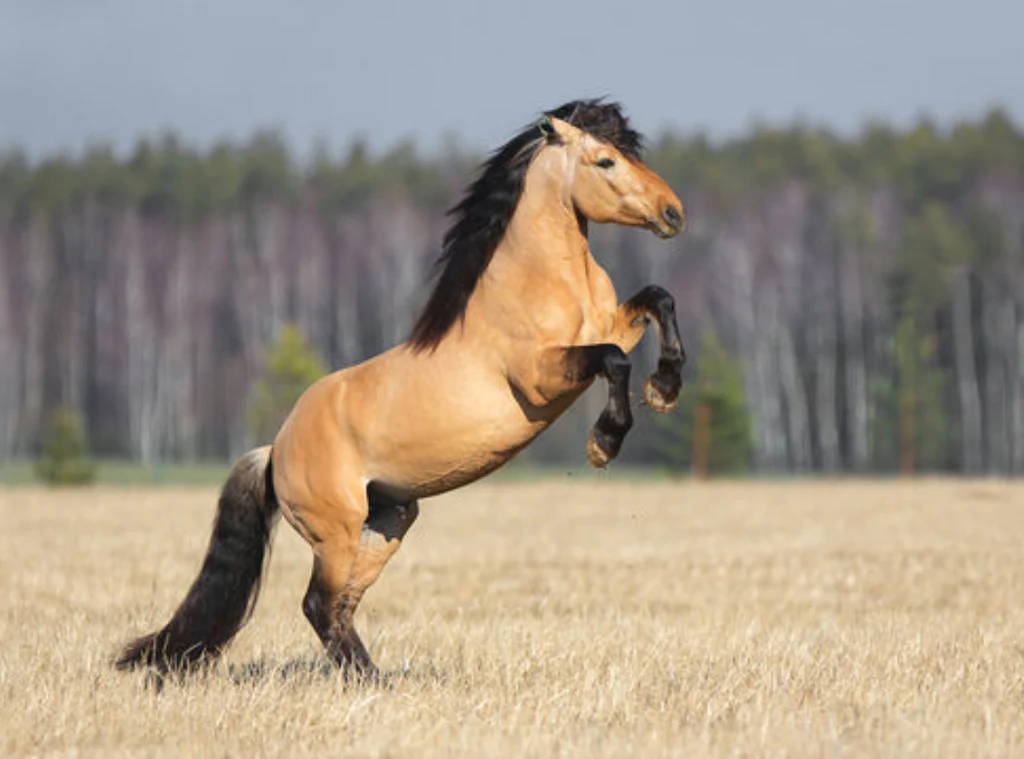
(602, 618)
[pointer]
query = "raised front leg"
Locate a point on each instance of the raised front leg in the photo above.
(568, 369)
(583, 363)
(654, 303)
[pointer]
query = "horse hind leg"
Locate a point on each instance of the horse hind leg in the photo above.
(341, 575)
(327, 610)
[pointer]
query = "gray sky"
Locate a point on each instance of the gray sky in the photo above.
(79, 70)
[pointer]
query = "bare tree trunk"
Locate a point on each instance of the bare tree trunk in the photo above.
(967, 383)
(792, 386)
(346, 314)
(853, 347)
(756, 349)
(177, 399)
(10, 379)
(143, 370)
(824, 330)
(908, 432)
(994, 398)
(1017, 397)
(401, 238)
(40, 266)
(701, 440)
(774, 439)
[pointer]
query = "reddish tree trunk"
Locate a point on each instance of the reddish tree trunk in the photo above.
(907, 435)
(701, 440)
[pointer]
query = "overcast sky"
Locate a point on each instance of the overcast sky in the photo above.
(78, 70)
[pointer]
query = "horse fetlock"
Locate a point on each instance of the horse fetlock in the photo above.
(672, 365)
(348, 652)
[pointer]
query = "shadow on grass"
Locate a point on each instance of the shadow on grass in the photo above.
(299, 671)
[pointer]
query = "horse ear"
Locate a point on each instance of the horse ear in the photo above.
(548, 129)
(559, 130)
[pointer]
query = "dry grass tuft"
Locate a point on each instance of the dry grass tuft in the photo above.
(610, 619)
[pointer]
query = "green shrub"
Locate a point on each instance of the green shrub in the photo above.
(718, 390)
(64, 457)
(291, 367)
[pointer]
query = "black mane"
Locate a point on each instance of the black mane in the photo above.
(484, 213)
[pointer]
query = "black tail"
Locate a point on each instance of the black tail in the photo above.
(223, 595)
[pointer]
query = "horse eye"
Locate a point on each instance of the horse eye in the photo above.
(605, 163)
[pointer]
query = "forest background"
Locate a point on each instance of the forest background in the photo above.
(849, 304)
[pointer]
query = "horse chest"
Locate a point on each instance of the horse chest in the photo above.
(598, 312)
(577, 323)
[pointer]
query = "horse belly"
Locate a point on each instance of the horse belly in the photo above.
(449, 442)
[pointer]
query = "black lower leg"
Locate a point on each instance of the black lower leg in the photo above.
(608, 360)
(332, 619)
(657, 304)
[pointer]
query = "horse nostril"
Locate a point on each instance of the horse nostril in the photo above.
(673, 217)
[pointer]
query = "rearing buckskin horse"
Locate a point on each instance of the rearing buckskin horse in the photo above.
(520, 322)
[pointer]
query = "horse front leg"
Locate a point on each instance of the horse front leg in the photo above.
(654, 303)
(565, 368)
(571, 367)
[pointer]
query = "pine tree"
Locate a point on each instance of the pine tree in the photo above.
(710, 430)
(291, 367)
(64, 459)
(910, 428)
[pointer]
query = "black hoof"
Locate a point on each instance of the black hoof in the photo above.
(602, 447)
(662, 391)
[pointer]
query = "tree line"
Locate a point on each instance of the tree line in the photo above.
(867, 290)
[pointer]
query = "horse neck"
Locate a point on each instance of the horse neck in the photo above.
(542, 263)
(545, 238)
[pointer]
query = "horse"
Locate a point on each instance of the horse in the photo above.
(520, 322)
